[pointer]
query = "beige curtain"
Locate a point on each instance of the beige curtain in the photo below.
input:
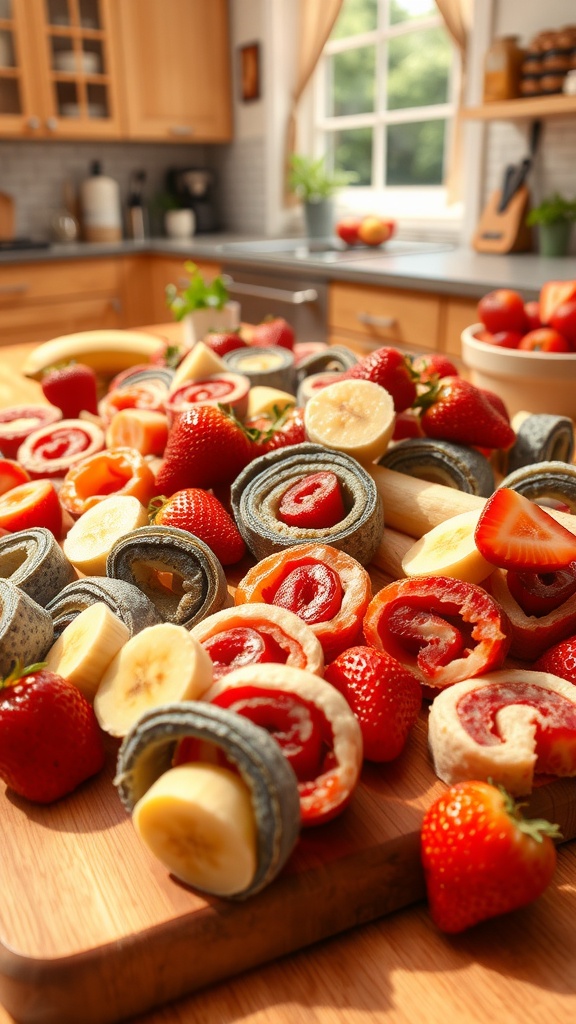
(457, 15)
(316, 20)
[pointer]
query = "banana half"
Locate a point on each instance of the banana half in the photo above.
(107, 352)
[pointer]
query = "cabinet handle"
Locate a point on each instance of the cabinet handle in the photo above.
(116, 304)
(14, 289)
(52, 124)
(298, 298)
(34, 122)
(181, 129)
(376, 321)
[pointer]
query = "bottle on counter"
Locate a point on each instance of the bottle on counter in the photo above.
(137, 213)
(502, 69)
(100, 206)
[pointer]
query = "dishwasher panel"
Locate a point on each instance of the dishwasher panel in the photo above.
(301, 301)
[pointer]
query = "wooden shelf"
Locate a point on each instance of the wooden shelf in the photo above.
(522, 109)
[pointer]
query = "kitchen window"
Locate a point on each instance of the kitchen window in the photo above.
(384, 102)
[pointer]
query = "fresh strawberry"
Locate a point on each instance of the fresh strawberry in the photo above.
(206, 447)
(560, 660)
(497, 402)
(202, 514)
(72, 388)
(481, 858)
(313, 503)
(515, 533)
(222, 342)
(384, 695)
(50, 740)
(276, 429)
(456, 410)
(391, 369)
(11, 475)
(433, 364)
(274, 330)
(407, 424)
(35, 503)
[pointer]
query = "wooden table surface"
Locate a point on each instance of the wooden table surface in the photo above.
(399, 969)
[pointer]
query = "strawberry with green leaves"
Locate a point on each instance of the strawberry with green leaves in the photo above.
(453, 409)
(50, 740)
(206, 447)
(222, 342)
(384, 695)
(200, 513)
(277, 428)
(481, 858)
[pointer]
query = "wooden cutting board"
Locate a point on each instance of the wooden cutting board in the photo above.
(93, 929)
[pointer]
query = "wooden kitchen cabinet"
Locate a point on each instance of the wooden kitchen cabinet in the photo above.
(39, 301)
(365, 317)
(57, 70)
(175, 69)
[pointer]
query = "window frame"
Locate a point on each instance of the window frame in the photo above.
(412, 202)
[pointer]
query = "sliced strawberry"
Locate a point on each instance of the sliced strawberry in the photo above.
(552, 295)
(515, 533)
(31, 504)
(314, 503)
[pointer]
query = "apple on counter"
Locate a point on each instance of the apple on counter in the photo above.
(369, 230)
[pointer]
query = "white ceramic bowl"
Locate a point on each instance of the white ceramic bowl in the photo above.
(526, 381)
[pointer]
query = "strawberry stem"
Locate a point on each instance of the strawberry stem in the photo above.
(537, 828)
(18, 672)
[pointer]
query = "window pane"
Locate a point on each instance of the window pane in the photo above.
(418, 69)
(351, 83)
(351, 150)
(408, 10)
(415, 153)
(356, 16)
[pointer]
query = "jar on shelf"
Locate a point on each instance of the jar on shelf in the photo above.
(502, 66)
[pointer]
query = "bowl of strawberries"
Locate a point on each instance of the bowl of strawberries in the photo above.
(526, 351)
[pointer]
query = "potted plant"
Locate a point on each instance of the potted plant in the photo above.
(315, 185)
(554, 218)
(202, 305)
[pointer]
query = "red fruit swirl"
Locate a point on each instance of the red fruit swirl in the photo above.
(313, 592)
(51, 451)
(239, 646)
(313, 503)
(18, 421)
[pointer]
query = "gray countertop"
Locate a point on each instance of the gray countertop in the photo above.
(444, 270)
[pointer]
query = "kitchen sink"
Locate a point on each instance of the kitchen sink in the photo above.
(329, 250)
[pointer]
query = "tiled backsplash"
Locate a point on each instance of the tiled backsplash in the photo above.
(33, 173)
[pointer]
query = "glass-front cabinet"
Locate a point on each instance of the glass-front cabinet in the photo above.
(56, 69)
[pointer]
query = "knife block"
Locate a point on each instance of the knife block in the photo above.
(503, 231)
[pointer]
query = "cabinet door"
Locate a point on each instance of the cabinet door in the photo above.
(76, 68)
(176, 69)
(384, 316)
(21, 104)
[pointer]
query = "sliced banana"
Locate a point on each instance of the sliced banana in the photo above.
(84, 650)
(147, 752)
(161, 664)
(200, 362)
(92, 537)
(197, 819)
(351, 416)
(449, 550)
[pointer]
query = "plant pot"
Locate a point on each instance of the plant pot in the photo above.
(196, 325)
(319, 219)
(179, 223)
(554, 239)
